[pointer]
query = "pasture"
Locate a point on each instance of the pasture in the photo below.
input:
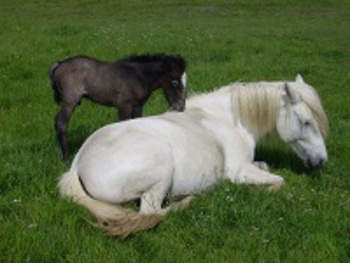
(307, 220)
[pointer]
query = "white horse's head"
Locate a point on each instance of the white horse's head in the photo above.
(297, 125)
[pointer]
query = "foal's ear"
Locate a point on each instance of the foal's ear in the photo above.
(180, 61)
(291, 95)
(168, 63)
(174, 63)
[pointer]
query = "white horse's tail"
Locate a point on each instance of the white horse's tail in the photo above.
(113, 220)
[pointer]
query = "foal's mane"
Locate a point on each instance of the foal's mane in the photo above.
(144, 58)
(258, 104)
(177, 61)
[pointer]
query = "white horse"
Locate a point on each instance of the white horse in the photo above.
(185, 153)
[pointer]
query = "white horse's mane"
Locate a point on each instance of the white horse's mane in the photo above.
(257, 104)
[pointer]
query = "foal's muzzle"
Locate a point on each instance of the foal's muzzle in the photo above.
(178, 107)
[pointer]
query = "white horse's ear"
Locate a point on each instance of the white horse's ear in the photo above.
(292, 95)
(299, 79)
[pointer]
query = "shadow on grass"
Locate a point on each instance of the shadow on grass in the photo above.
(77, 137)
(281, 157)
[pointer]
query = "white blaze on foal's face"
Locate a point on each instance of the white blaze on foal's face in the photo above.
(297, 127)
(184, 80)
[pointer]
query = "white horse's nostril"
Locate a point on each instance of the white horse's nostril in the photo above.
(321, 163)
(315, 164)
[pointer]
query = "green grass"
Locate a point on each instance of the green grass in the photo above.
(308, 220)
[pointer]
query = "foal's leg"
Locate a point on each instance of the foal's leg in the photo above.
(125, 112)
(136, 112)
(61, 124)
(251, 174)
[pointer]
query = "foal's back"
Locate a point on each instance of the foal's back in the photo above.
(99, 81)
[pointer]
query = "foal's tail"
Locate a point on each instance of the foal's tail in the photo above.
(113, 220)
(53, 82)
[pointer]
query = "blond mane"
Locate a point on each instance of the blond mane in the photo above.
(257, 105)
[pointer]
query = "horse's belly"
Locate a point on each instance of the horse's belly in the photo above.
(196, 180)
(200, 167)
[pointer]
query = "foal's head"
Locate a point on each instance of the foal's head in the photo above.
(302, 127)
(174, 81)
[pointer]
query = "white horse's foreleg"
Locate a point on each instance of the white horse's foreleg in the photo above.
(251, 174)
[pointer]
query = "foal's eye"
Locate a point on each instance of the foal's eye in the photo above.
(175, 83)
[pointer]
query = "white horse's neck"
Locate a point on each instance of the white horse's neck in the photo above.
(216, 104)
(252, 106)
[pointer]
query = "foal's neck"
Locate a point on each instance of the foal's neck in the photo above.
(152, 73)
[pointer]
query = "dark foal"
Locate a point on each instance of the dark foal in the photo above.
(125, 84)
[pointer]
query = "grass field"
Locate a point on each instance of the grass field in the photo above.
(308, 220)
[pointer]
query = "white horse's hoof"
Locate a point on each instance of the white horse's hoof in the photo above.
(262, 165)
(277, 185)
(183, 203)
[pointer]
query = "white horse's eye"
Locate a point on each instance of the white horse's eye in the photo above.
(307, 123)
